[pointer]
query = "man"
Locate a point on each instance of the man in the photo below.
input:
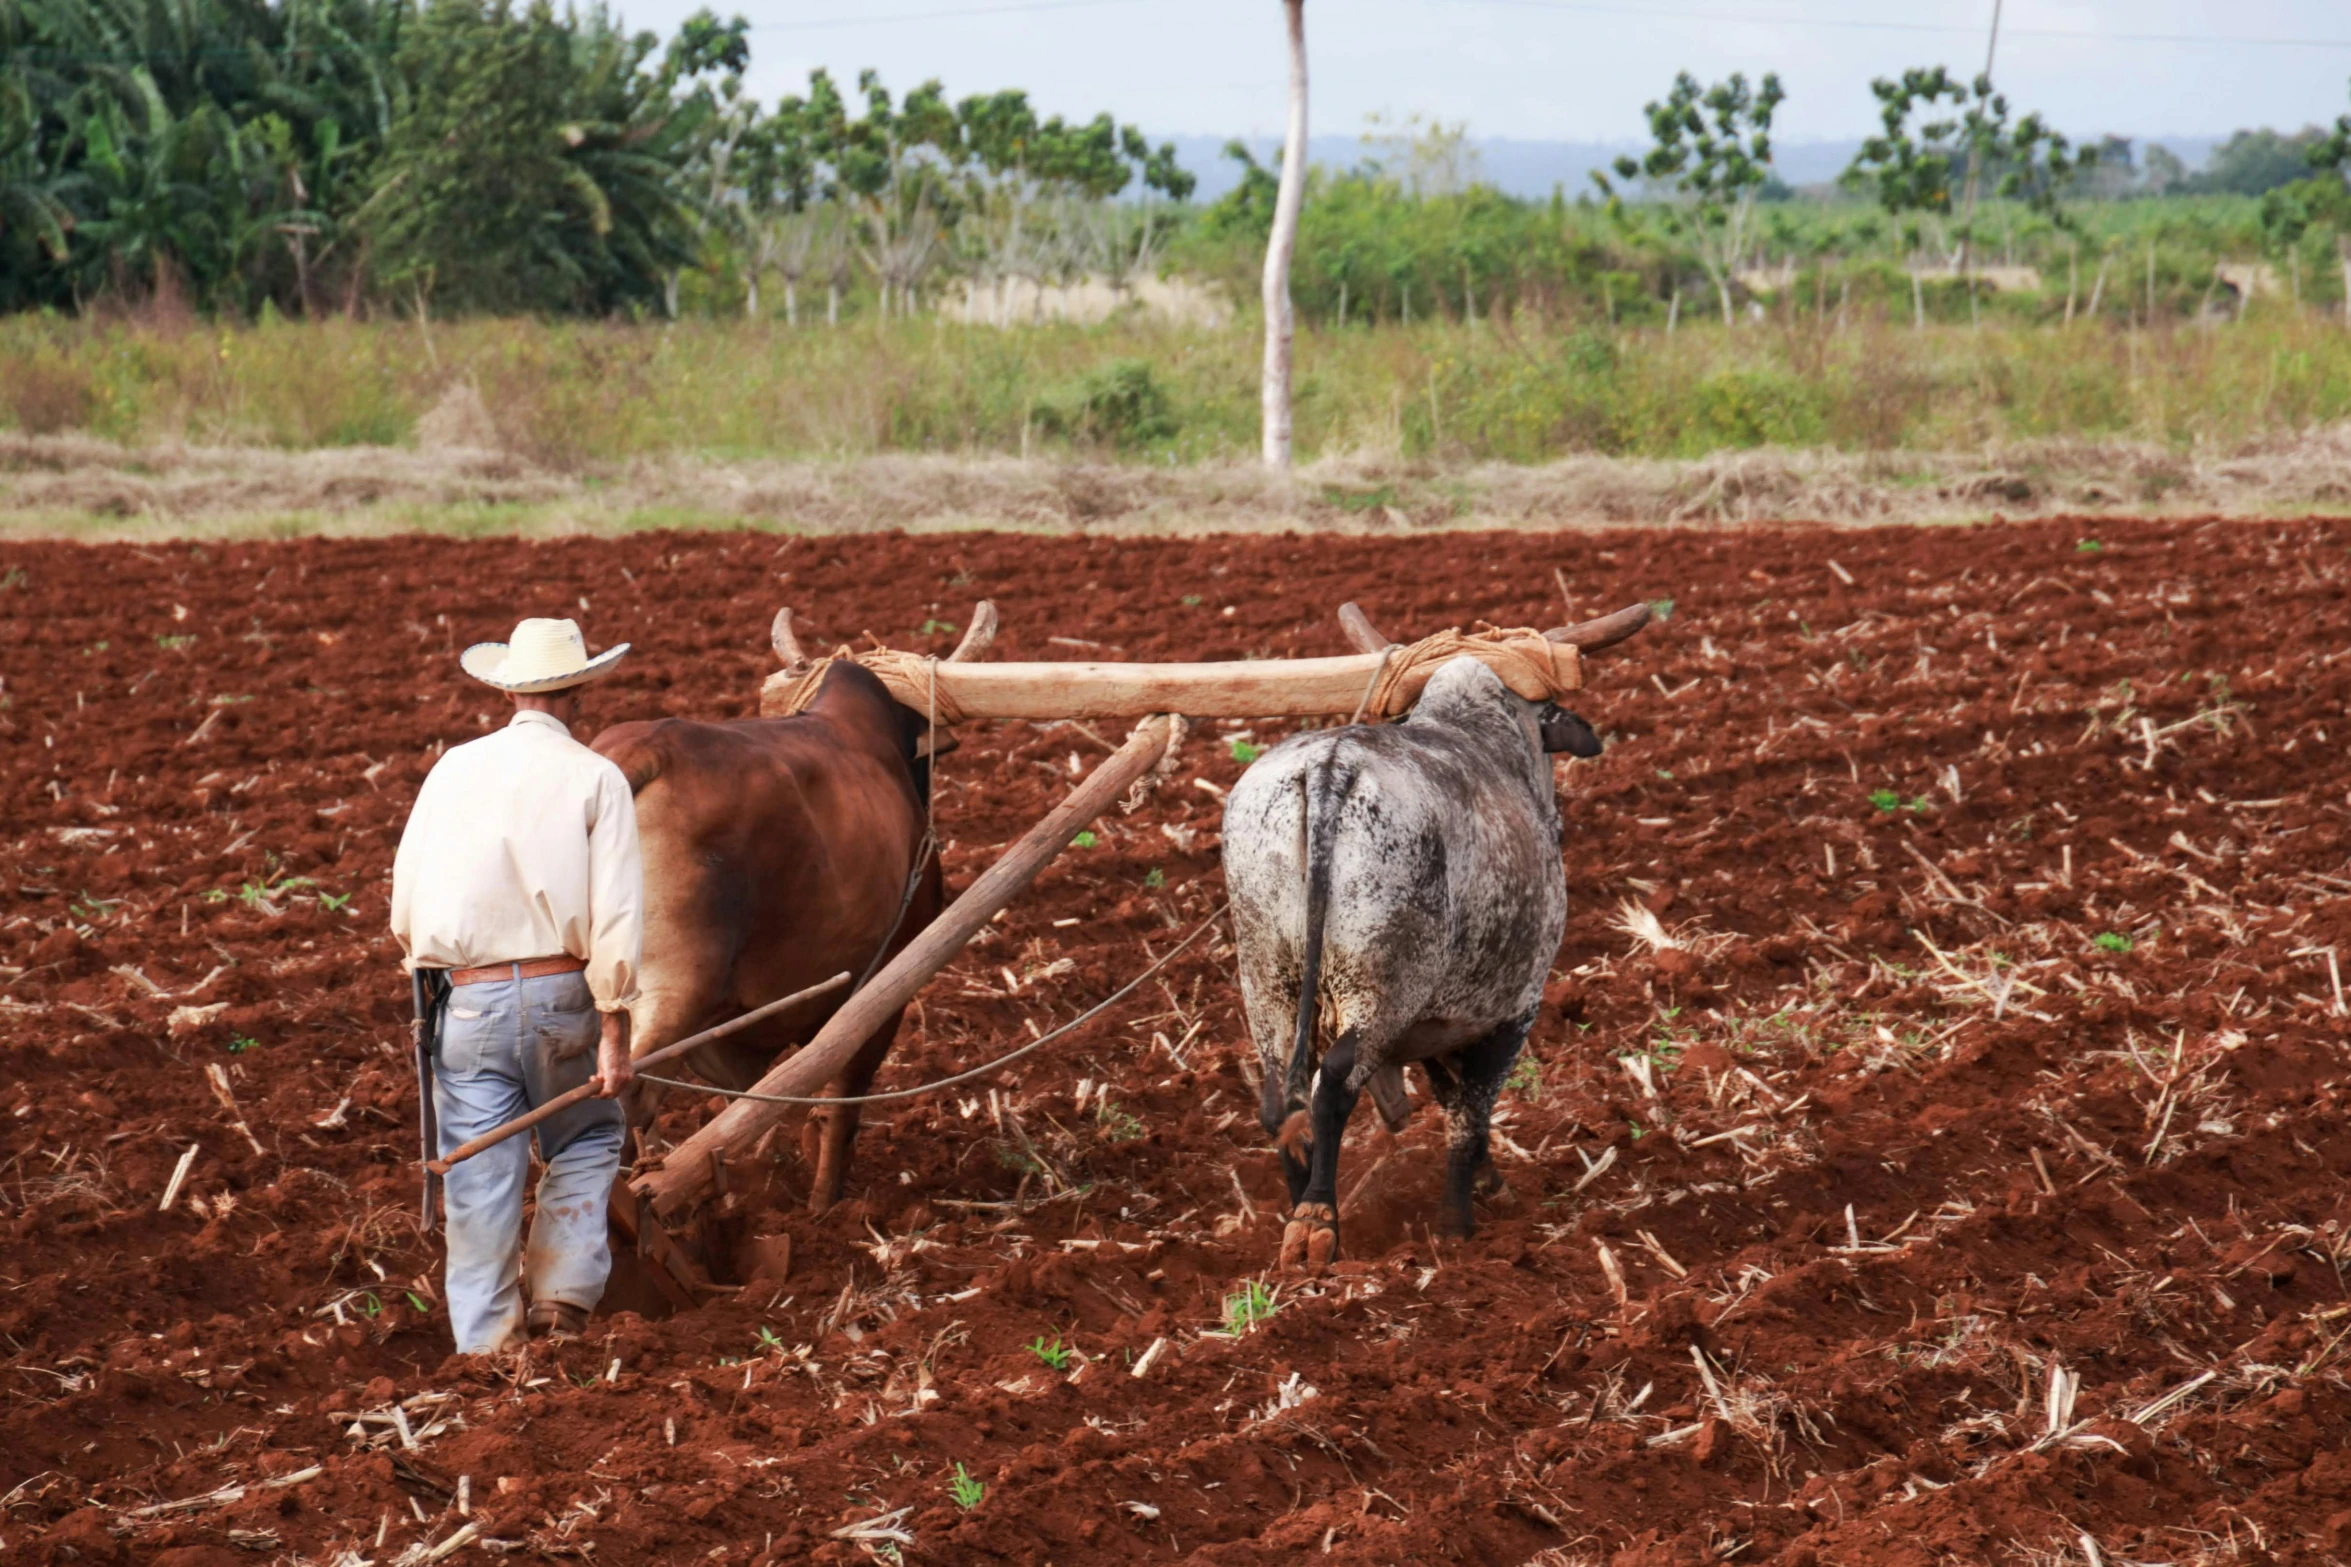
(519, 874)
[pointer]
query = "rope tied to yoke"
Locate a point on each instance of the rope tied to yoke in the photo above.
(1527, 662)
(894, 667)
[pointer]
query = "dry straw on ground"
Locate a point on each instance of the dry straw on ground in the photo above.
(460, 481)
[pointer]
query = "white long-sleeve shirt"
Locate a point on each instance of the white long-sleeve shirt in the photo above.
(523, 844)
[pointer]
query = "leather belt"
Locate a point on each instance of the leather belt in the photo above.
(528, 968)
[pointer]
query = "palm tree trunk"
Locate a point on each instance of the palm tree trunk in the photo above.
(1289, 197)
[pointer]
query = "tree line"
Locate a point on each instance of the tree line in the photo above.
(499, 156)
(490, 156)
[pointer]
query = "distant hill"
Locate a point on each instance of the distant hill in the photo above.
(1533, 168)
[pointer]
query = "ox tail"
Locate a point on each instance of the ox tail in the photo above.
(1324, 788)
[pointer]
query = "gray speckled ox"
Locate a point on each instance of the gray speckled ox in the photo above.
(1404, 881)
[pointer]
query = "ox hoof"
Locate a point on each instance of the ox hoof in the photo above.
(1310, 1241)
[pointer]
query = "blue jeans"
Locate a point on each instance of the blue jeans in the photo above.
(507, 1046)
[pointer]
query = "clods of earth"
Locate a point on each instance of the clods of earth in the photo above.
(1932, 1147)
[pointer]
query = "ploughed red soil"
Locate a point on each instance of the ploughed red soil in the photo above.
(1931, 1150)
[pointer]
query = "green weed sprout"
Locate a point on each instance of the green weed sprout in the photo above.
(967, 1492)
(1117, 1125)
(1244, 752)
(1055, 1354)
(2111, 941)
(1251, 1304)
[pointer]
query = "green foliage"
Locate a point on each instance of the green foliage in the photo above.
(1357, 502)
(2255, 162)
(1526, 1078)
(503, 155)
(1055, 1354)
(966, 1492)
(1120, 404)
(590, 397)
(1117, 1126)
(1244, 752)
(1245, 1308)
(1937, 133)
(2111, 941)
(1710, 155)
(1085, 839)
(1155, 878)
(241, 1043)
(258, 894)
(534, 168)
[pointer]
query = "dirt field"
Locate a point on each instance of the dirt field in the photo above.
(1960, 1180)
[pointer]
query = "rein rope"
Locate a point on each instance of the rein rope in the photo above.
(922, 852)
(1004, 1060)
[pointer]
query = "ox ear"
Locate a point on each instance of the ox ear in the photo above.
(1566, 731)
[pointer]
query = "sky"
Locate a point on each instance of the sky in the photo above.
(1567, 70)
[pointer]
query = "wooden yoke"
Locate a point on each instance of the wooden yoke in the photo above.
(1381, 680)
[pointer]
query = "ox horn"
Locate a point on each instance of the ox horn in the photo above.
(1593, 635)
(787, 646)
(1361, 633)
(979, 637)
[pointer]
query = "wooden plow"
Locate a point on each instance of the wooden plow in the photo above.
(1380, 679)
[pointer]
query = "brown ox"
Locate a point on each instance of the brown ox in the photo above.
(777, 854)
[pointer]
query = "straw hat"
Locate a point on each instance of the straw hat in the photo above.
(545, 655)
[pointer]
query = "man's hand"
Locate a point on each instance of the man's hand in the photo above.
(614, 1071)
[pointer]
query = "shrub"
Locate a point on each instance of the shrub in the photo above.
(46, 393)
(1120, 404)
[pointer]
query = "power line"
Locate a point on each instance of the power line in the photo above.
(1013, 7)
(1863, 24)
